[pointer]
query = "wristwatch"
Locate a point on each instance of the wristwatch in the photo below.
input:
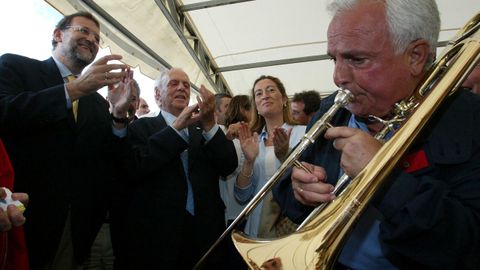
(119, 120)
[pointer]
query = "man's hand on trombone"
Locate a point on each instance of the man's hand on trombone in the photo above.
(311, 188)
(357, 148)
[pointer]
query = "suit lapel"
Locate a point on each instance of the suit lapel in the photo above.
(51, 76)
(194, 136)
(159, 123)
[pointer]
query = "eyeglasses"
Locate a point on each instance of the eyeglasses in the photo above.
(85, 31)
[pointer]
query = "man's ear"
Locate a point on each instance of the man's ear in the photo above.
(57, 35)
(157, 93)
(418, 55)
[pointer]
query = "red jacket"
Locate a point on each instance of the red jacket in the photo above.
(13, 250)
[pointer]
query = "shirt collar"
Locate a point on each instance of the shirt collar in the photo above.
(354, 123)
(264, 134)
(169, 118)
(64, 72)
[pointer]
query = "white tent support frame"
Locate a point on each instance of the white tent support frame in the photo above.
(101, 12)
(181, 23)
(174, 12)
(209, 4)
(199, 52)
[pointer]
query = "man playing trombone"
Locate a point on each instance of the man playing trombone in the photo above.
(428, 215)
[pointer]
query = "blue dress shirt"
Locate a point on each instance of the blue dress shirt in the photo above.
(362, 249)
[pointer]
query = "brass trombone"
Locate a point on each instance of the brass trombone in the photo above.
(316, 243)
(342, 98)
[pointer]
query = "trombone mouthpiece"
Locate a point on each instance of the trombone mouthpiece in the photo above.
(343, 97)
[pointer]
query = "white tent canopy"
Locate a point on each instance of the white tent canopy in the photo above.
(227, 44)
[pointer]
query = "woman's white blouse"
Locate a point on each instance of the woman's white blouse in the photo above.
(264, 167)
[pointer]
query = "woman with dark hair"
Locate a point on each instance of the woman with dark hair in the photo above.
(238, 114)
(239, 110)
(272, 134)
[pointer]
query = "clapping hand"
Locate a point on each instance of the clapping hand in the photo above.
(281, 139)
(206, 106)
(120, 95)
(234, 129)
(98, 75)
(202, 111)
(249, 143)
(188, 116)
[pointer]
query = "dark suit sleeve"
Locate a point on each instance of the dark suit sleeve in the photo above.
(222, 154)
(154, 146)
(23, 104)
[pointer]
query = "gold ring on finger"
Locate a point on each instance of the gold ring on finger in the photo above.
(106, 76)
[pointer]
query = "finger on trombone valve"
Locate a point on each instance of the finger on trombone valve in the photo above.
(299, 165)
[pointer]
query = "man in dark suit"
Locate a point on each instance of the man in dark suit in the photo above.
(176, 211)
(60, 137)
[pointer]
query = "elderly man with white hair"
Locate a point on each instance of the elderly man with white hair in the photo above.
(176, 212)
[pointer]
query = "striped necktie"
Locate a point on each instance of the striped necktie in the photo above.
(74, 103)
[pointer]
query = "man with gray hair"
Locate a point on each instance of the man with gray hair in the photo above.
(427, 216)
(176, 212)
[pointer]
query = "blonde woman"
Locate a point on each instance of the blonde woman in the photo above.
(272, 134)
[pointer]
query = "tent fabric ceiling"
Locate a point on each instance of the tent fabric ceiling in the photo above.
(242, 33)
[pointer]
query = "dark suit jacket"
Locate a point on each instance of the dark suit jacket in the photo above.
(159, 196)
(59, 163)
(432, 214)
